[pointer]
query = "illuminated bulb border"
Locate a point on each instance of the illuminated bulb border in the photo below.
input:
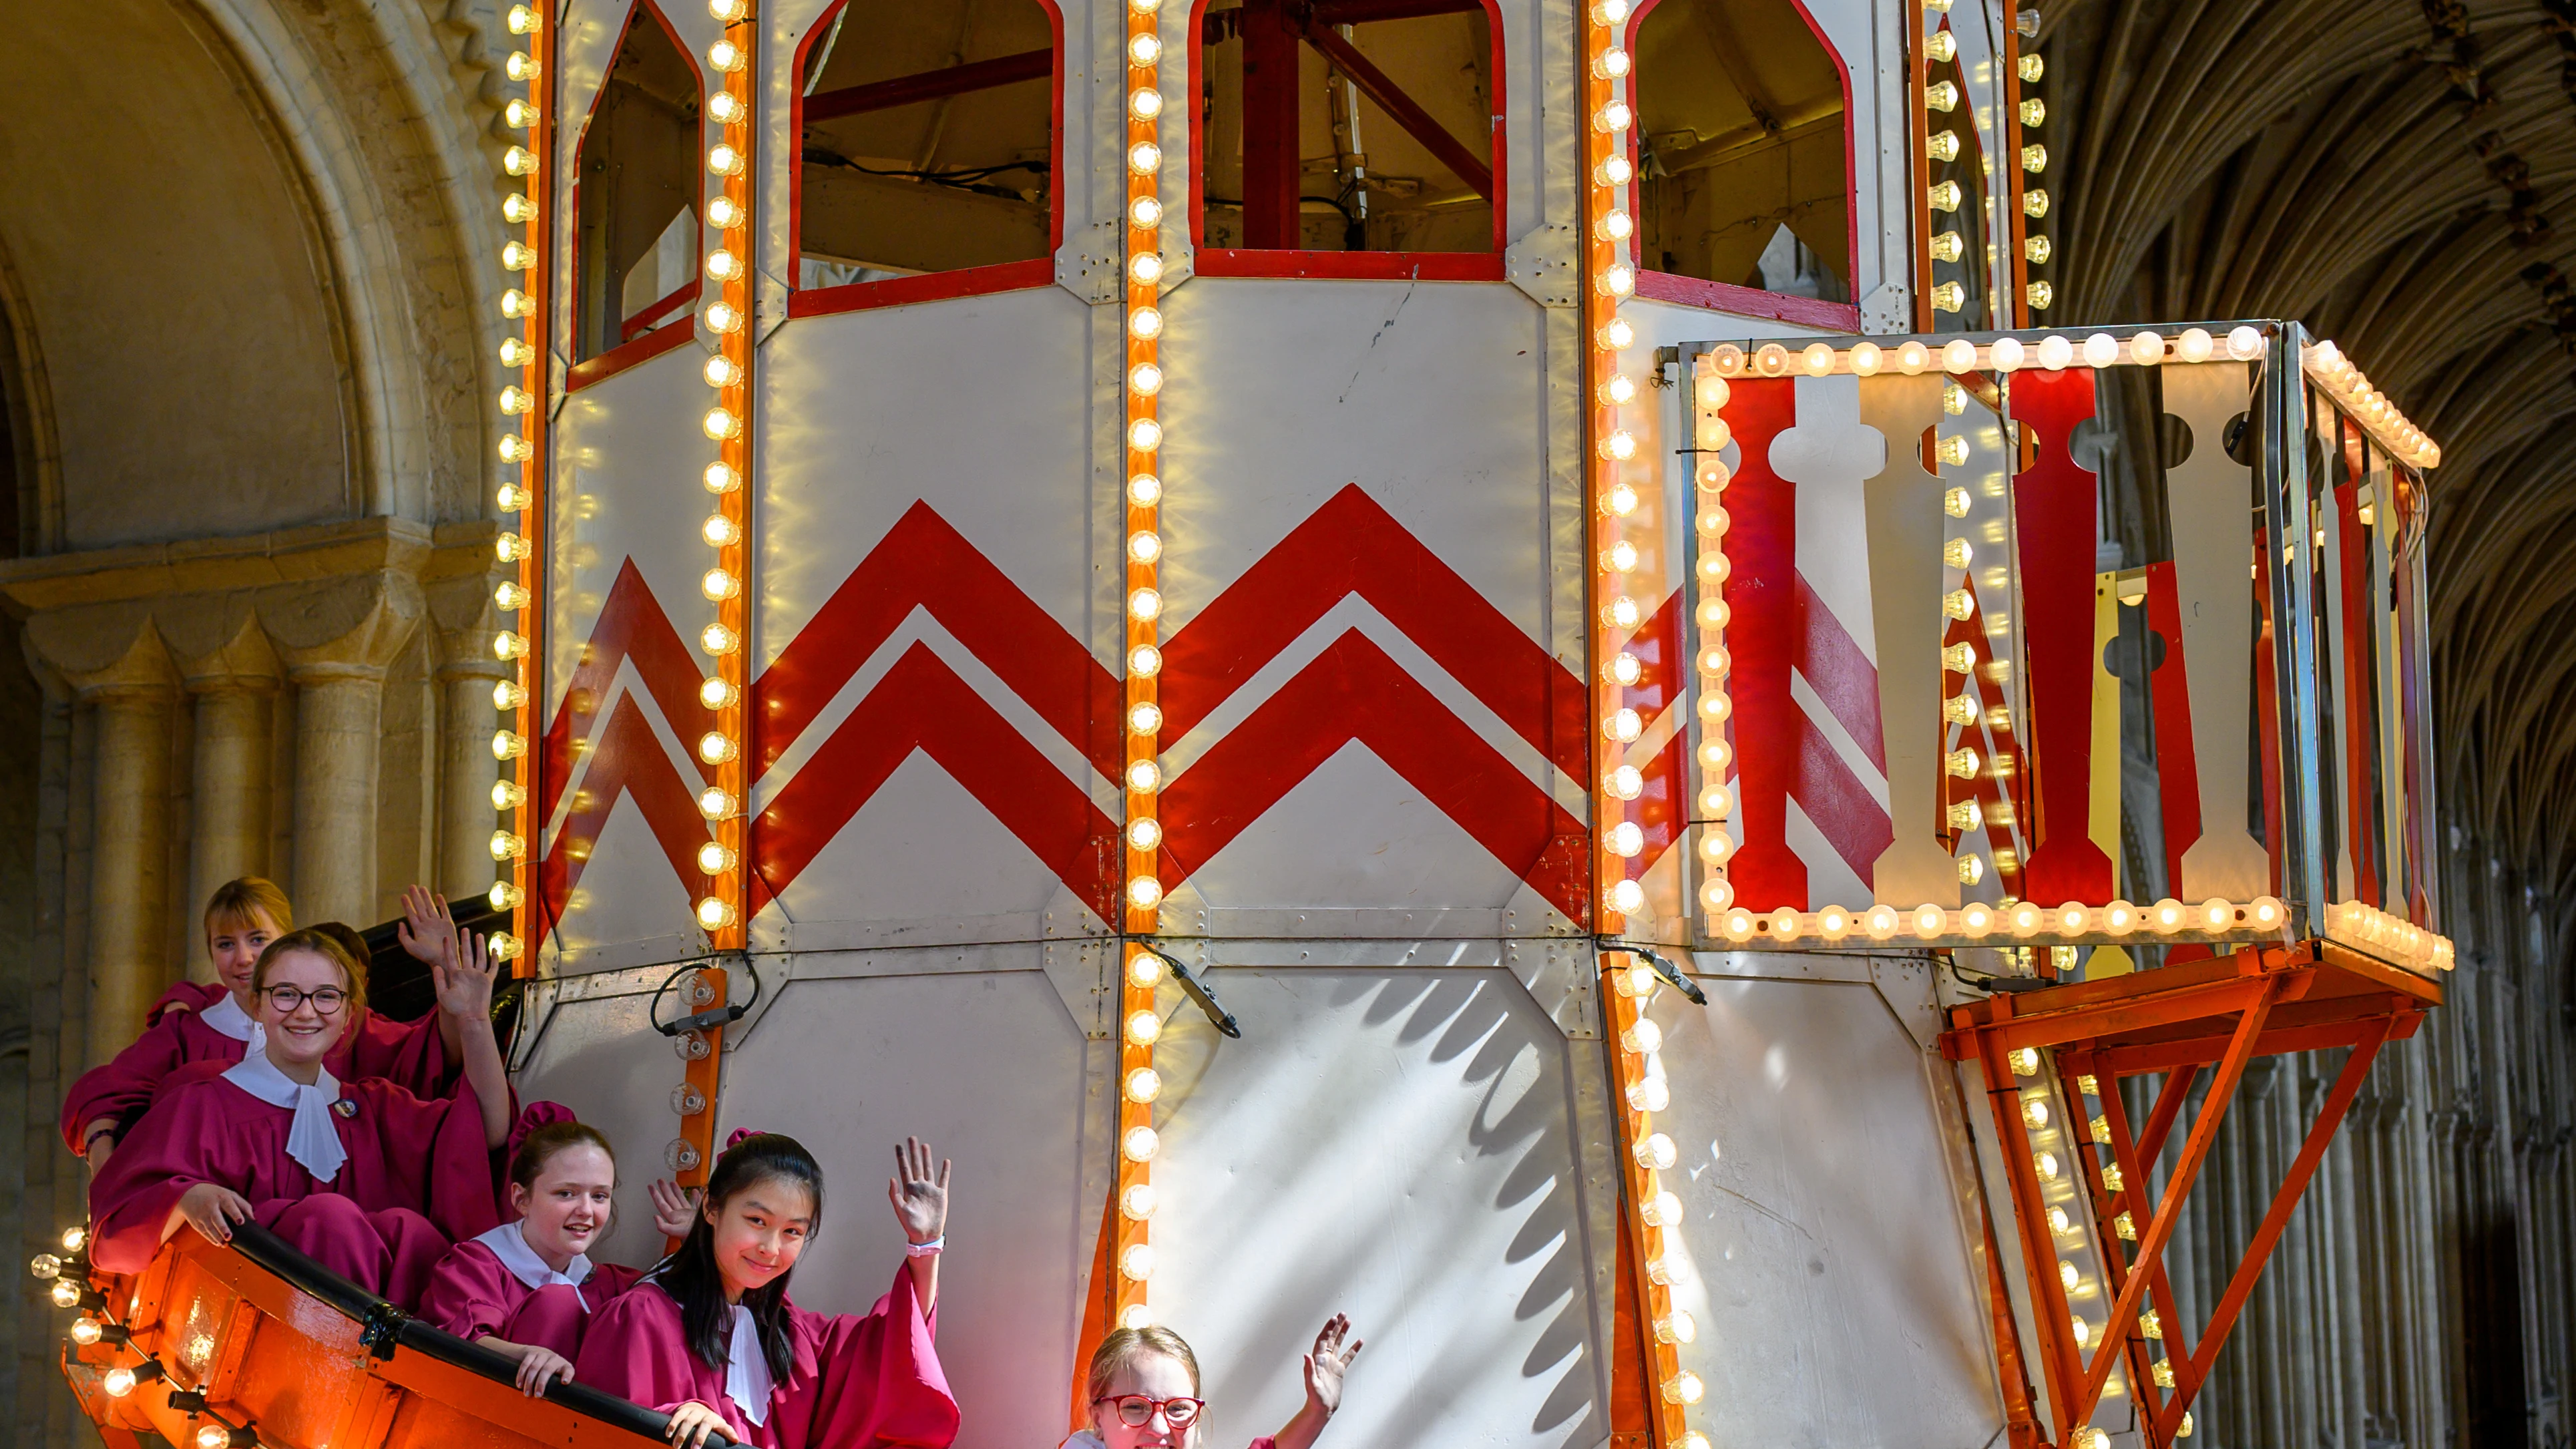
(725, 281)
(1610, 278)
(2258, 920)
(2017, 352)
(1628, 985)
(2375, 932)
(1140, 885)
(521, 446)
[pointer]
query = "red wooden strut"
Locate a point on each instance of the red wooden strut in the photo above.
(2218, 1014)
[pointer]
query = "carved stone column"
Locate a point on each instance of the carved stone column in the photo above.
(230, 789)
(131, 702)
(463, 611)
(339, 706)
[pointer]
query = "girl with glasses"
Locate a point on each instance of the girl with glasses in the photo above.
(710, 1339)
(1144, 1388)
(369, 1180)
(218, 1021)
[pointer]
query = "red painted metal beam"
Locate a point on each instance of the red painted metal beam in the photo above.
(1270, 152)
(930, 85)
(1390, 97)
(1363, 12)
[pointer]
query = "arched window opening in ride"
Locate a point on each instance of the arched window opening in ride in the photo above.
(1743, 153)
(1354, 127)
(930, 138)
(635, 196)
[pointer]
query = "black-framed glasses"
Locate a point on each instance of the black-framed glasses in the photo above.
(290, 999)
(1137, 1410)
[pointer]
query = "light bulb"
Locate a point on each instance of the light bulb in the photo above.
(503, 895)
(507, 745)
(1145, 323)
(1623, 782)
(715, 691)
(1145, 379)
(2034, 203)
(2024, 1061)
(1144, 604)
(716, 803)
(2034, 157)
(1144, 49)
(1137, 1204)
(506, 694)
(2032, 68)
(714, 858)
(523, 21)
(517, 256)
(1613, 118)
(1613, 170)
(1145, 212)
(1610, 12)
(1626, 840)
(2034, 1112)
(1140, 1143)
(723, 317)
(1961, 763)
(715, 747)
(1943, 146)
(721, 371)
(719, 640)
(721, 478)
(1610, 64)
(515, 353)
(74, 1239)
(1622, 725)
(1948, 297)
(2039, 295)
(118, 1382)
(1944, 196)
(724, 107)
(2045, 1164)
(720, 531)
(1143, 1085)
(1616, 334)
(1144, 777)
(1145, 718)
(1683, 1388)
(719, 584)
(715, 913)
(1941, 46)
(1144, 892)
(2036, 251)
(1941, 96)
(1618, 279)
(85, 1332)
(1144, 661)
(1144, 158)
(45, 1267)
(520, 66)
(1144, 833)
(1136, 1262)
(1649, 1094)
(517, 209)
(510, 548)
(1655, 1153)
(1675, 1327)
(2059, 1222)
(515, 303)
(66, 1293)
(507, 845)
(725, 56)
(1144, 103)
(724, 213)
(2033, 111)
(1643, 1037)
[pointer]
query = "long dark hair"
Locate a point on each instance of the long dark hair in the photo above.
(690, 1275)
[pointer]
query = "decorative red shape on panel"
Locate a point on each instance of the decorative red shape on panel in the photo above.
(1353, 691)
(626, 759)
(2054, 524)
(631, 626)
(1842, 676)
(922, 705)
(1352, 545)
(2359, 707)
(2177, 761)
(1762, 634)
(923, 562)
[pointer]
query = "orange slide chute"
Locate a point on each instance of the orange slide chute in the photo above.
(255, 1344)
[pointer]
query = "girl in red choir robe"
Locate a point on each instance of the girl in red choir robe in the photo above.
(216, 1021)
(369, 1180)
(710, 1339)
(1144, 1391)
(527, 1288)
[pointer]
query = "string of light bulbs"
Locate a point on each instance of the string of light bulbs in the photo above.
(521, 448)
(1140, 889)
(722, 905)
(1637, 1044)
(1716, 754)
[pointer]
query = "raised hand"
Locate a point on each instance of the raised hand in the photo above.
(920, 1201)
(465, 987)
(1328, 1363)
(674, 1207)
(427, 931)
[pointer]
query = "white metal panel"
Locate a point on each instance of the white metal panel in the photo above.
(598, 1055)
(1835, 1299)
(1402, 1146)
(990, 1070)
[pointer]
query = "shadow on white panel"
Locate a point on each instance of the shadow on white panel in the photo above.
(1836, 1302)
(988, 1069)
(1397, 1145)
(603, 1059)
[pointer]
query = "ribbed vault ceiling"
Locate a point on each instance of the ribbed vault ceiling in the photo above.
(2386, 172)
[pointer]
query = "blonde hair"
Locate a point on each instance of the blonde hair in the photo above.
(239, 904)
(1124, 1346)
(315, 941)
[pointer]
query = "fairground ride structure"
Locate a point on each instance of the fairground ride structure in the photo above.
(1570, 730)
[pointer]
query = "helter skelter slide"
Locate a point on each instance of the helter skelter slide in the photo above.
(1457, 752)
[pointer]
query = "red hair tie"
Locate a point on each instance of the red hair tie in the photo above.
(740, 1133)
(533, 1116)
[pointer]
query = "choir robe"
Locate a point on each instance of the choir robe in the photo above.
(417, 1178)
(193, 1022)
(474, 1294)
(858, 1380)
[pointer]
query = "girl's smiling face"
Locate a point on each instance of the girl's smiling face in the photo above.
(760, 1232)
(235, 946)
(1157, 1376)
(568, 1207)
(304, 1035)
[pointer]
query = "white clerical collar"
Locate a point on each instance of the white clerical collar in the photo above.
(747, 1380)
(313, 1141)
(509, 1243)
(227, 1016)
